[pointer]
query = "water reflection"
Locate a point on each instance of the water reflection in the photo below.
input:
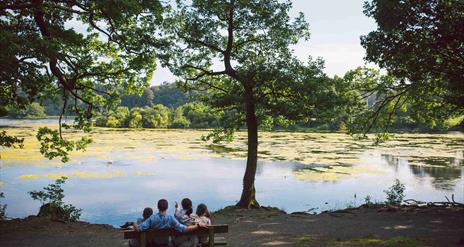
(125, 171)
(113, 193)
(443, 178)
(445, 171)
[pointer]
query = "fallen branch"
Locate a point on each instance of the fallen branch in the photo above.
(448, 203)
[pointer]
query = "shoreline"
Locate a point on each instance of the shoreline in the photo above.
(267, 226)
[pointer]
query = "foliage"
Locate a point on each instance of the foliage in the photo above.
(395, 194)
(368, 200)
(101, 121)
(419, 43)
(52, 145)
(87, 67)
(259, 78)
(390, 108)
(178, 120)
(54, 194)
(169, 95)
(113, 122)
(200, 115)
(10, 141)
(155, 117)
(33, 110)
(137, 100)
(135, 119)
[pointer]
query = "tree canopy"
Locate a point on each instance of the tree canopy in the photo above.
(44, 53)
(421, 46)
(237, 55)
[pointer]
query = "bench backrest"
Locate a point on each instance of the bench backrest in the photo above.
(153, 233)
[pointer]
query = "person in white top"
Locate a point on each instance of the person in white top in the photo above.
(185, 216)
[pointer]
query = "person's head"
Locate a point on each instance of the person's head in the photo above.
(162, 205)
(147, 212)
(187, 206)
(202, 210)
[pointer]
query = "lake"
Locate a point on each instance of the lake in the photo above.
(125, 170)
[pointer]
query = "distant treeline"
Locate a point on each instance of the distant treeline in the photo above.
(167, 106)
(167, 94)
(189, 115)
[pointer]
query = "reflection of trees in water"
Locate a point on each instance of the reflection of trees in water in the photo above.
(391, 160)
(445, 170)
(444, 178)
(443, 161)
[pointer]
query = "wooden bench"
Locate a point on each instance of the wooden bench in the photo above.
(153, 233)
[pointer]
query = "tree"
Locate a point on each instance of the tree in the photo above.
(155, 117)
(34, 110)
(135, 120)
(147, 98)
(122, 114)
(259, 75)
(391, 107)
(43, 55)
(168, 94)
(178, 120)
(421, 45)
(200, 115)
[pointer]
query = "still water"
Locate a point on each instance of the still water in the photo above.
(126, 171)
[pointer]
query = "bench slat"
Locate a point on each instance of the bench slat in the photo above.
(220, 241)
(130, 234)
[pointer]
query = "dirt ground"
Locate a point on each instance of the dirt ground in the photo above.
(270, 227)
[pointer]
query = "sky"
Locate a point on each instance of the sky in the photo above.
(335, 26)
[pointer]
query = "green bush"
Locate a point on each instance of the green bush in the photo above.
(54, 195)
(395, 194)
(155, 117)
(101, 121)
(178, 120)
(201, 115)
(113, 122)
(122, 113)
(135, 120)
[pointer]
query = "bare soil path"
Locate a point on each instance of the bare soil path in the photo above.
(270, 227)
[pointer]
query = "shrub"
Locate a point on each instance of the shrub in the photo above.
(135, 120)
(395, 194)
(178, 120)
(101, 121)
(122, 113)
(53, 195)
(155, 117)
(113, 122)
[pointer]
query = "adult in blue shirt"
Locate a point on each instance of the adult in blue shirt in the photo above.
(162, 220)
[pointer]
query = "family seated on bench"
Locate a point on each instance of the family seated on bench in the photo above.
(184, 220)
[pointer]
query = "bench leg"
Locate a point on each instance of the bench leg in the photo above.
(211, 238)
(143, 239)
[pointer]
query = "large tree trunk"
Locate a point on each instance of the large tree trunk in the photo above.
(248, 199)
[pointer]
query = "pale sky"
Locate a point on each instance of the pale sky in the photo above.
(335, 26)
